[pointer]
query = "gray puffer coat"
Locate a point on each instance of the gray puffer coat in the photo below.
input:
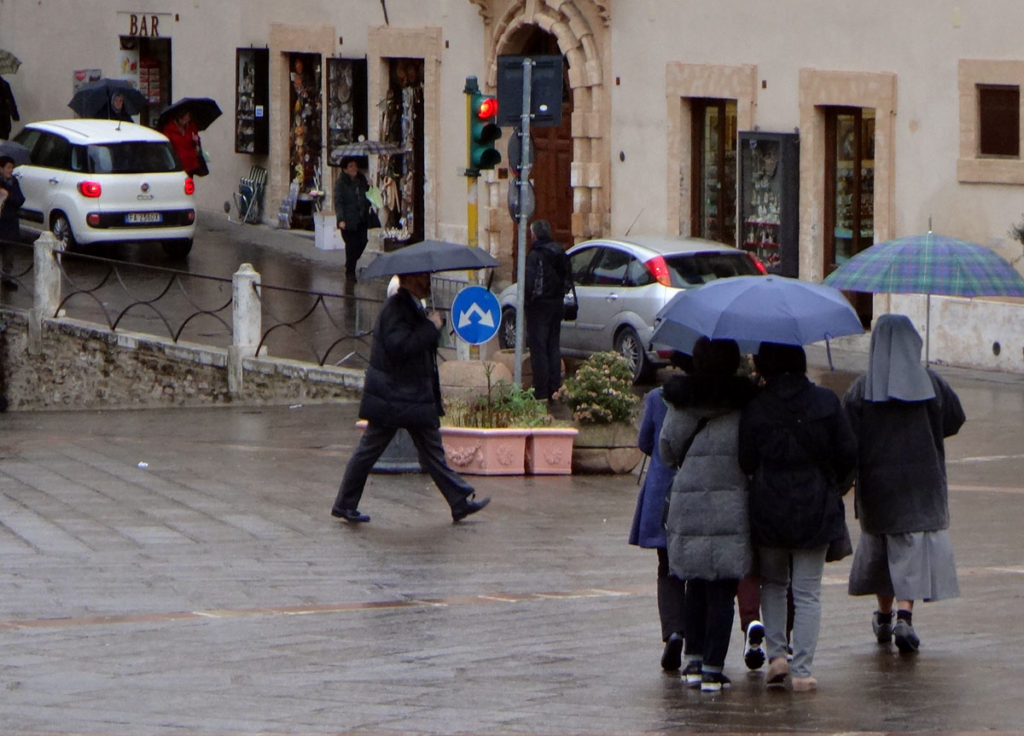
(707, 525)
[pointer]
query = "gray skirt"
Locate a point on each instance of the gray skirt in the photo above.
(912, 566)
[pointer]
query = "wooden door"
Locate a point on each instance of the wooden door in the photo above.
(552, 159)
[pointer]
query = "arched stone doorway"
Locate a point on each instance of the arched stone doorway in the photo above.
(574, 158)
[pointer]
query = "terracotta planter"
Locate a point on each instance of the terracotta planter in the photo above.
(605, 448)
(549, 450)
(485, 451)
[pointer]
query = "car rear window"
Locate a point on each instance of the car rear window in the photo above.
(693, 269)
(126, 158)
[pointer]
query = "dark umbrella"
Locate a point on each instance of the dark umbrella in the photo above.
(755, 309)
(9, 63)
(363, 148)
(427, 257)
(14, 151)
(92, 100)
(204, 111)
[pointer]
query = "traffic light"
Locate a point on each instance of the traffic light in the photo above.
(483, 132)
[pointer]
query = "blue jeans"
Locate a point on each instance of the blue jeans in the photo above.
(807, 566)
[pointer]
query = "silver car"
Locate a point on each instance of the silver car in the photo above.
(621, 283)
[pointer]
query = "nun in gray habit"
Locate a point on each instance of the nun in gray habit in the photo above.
(901, 411)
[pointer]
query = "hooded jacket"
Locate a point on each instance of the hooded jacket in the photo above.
(798, 476)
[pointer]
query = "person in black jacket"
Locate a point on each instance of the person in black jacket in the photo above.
(352, 210)
(901, 411)
(796, 443)
(11, 200)
(8, 109)
(402, 389)
(548, 278)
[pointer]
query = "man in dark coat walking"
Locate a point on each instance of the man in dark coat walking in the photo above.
(548, 278)
(8, 109)
(352, 210)
(403, 390)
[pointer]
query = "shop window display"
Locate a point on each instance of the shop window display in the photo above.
(400, 176)
(304, 138)
(252, 133)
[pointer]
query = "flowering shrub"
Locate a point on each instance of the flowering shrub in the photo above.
(601, 391)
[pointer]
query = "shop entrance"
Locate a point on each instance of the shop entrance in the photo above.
(849, 191)
(305, 167)
(146, 62)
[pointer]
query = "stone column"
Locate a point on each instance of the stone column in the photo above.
(47, 288)
(247, 323)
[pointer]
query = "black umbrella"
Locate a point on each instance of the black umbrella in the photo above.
(427, 257)
(203, 110)
(14, 151)
(92, 100)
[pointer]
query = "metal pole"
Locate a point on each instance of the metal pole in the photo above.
(524, 176)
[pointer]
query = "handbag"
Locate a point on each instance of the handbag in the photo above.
(841, 546)
(372, 220)
(570, 305)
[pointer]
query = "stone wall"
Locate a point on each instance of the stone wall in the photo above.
(82, 366)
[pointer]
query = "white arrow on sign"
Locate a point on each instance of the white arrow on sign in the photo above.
(485, 318)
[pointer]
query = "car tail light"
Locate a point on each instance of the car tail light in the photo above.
(91, 189)
(757, 264)
(659, 270)
(190, 186)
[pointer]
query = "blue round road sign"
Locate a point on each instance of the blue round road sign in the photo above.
(476, 315)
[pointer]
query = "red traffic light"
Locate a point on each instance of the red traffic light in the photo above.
(487, 108)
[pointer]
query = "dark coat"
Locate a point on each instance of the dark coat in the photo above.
(350, 203)
(797, 476)
(402, 387)
(8, 108)
(548, 276)
(901, 471)
(9, 227)
(648, 529)
(707, 527)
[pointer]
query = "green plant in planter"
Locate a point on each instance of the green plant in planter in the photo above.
(504, 405)
(601, 390)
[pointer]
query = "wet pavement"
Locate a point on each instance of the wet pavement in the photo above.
(178, 572)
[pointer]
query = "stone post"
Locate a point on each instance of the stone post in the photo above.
(47, 288)
(247, 324)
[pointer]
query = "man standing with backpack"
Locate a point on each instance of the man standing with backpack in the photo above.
(548, 279)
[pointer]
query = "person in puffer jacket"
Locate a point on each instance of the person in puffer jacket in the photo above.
(707, 529)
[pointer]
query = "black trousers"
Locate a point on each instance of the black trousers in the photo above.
(355, 243)
(671, 599)
(709, 615)
(543, 332)
(372, 445)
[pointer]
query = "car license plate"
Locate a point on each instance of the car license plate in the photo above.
(143, 218)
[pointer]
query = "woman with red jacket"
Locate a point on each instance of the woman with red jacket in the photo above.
(184, 136)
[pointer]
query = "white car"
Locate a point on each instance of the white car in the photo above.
(96, 181)
(622, 283)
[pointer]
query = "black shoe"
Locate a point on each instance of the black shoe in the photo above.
(353, 516)
(672, 657)
(881, 624)
(906, 638)
(468, 506)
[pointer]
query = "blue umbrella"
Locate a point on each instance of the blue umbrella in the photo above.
(755, 309)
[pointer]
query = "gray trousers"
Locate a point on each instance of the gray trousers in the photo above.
(807, 566)
(431, 454)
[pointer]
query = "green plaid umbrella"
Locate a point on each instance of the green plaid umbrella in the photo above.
(928, 264)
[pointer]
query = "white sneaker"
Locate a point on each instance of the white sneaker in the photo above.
(753, 654)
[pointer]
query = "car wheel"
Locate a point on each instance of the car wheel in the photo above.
(507, 330)
(178, 248)
(61, 229)
(628, 344)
